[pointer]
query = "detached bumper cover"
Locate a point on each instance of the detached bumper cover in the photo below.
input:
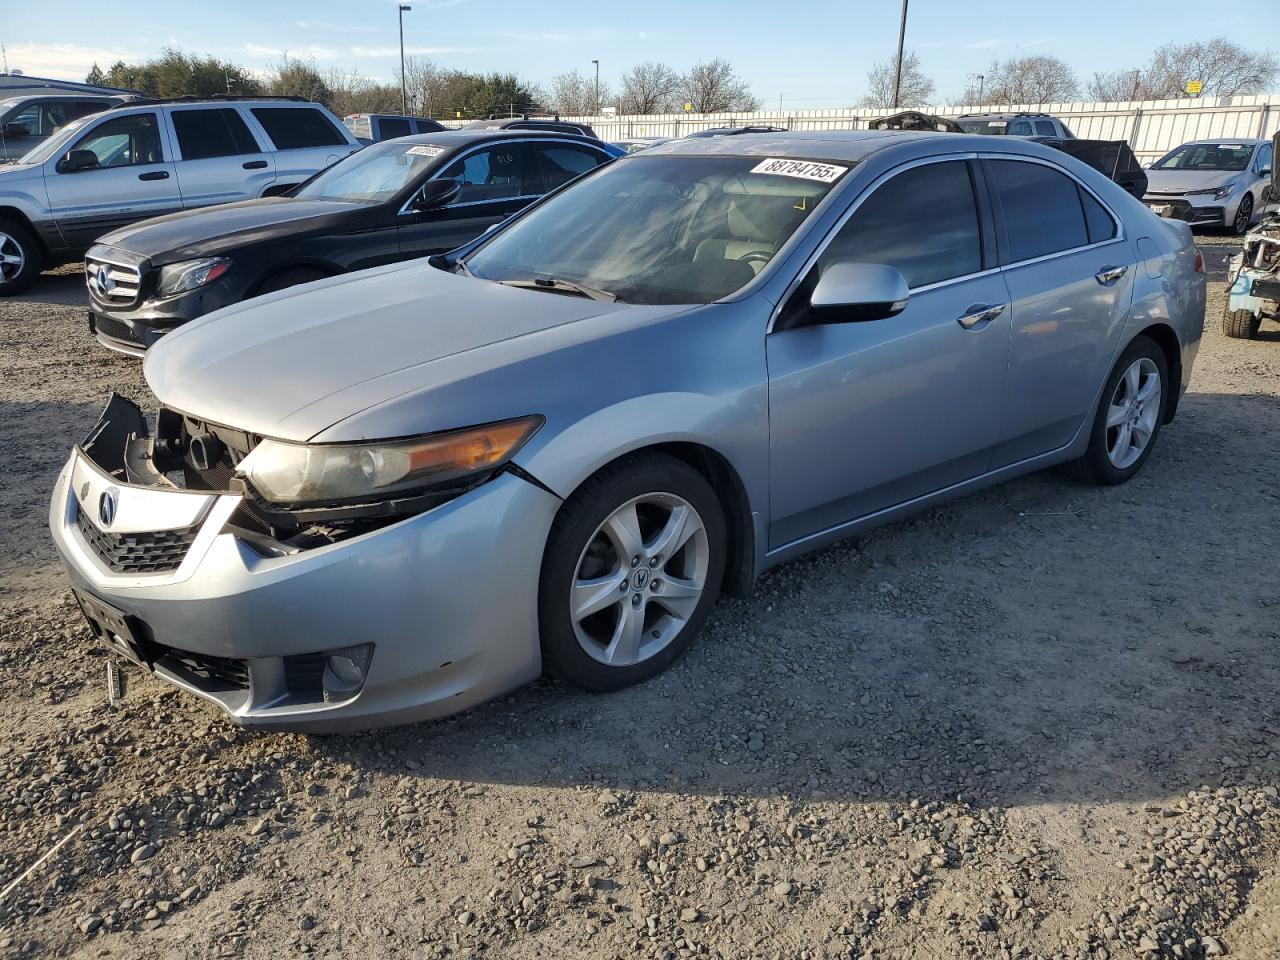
(448, 598)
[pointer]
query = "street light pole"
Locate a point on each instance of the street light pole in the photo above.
(597, 110)
(404, 98)
(981, 81)
(897, 70)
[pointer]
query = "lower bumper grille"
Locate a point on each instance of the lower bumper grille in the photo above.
(203, 670)
(117, 329)
(137, 552)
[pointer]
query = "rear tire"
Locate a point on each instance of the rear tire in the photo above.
(289, 277)
(1240, 324)
(1132, 406)
(632, 568)
(20, 258)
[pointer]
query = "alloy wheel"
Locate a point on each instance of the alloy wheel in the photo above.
(1244, 214)
(12, 258)
(1132, 415)
(639, 579)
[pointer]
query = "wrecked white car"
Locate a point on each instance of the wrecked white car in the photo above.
(1254, 273)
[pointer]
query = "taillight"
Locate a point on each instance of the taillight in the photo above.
(1199, 262)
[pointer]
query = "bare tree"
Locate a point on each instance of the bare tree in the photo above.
(915, 90)
(713, 87)
(574, 95)
(433, 90)
(649, 88)
(296, 77)
(1224, 69)
(352, 92)
(1029, 80)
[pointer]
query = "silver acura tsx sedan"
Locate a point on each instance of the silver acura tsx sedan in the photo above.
(393, 494)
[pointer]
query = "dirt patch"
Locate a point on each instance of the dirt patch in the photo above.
(1038, 722)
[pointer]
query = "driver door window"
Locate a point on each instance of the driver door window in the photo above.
(500, 172)
(124, 141)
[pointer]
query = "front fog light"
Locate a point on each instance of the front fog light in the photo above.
(345, 671)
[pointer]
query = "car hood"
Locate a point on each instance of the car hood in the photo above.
(292, 363)
(1180, 181)
(210, 230)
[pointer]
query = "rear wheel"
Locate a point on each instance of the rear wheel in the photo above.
(1240, 324)
(20, 258)
(1129, 416)
(631, 570)
(290, 277)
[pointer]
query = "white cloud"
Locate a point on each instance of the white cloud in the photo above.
(382, 52)
(64, 61)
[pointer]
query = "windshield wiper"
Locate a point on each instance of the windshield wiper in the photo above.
(555, 285)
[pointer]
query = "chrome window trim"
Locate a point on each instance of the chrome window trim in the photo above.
(406, 210)
(944, 158)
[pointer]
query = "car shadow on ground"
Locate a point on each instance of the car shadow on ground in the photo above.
(1041, 641)
(64, 287)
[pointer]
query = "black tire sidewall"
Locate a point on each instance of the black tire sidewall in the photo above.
(31, 251)
(578, 520)
(1102, 467)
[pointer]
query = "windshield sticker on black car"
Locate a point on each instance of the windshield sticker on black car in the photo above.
(804, 169)
(425, 150)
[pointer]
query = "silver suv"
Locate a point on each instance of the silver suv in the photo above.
(26, 122)
(110, 169)
(1034, 125)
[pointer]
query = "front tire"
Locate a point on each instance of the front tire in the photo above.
(1240, 324)
(1129, 417)
(1244, 216)
(20, 258)
(632, 568)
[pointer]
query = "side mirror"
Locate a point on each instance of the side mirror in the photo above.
(16, 131)
(854, 292)
(436, 193)
(77, 160)
(1265, 172)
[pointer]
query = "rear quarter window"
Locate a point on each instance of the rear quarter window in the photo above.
(391, 127)
(294, 128)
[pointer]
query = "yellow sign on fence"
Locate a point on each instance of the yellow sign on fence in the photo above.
(1194, 87)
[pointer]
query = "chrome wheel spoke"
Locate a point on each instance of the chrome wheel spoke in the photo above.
(679, 597)
(592, 596)
(1148, 389)
(1117, 415)
(623, 530)
(681, 525)
(1132, 377)
(1124, 437)
(624, 645)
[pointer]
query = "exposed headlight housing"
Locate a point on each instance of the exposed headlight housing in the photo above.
(343, 473)
(187, 275)
(1224, 191)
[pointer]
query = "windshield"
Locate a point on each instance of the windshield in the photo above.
(661, 229)
(55, 144)
(1207, 156)
(988, 128)
(374, 174)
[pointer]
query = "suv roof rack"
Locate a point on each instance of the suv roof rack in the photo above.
(216, 98)
(1003, 113)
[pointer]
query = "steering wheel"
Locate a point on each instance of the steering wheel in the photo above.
(755, 256)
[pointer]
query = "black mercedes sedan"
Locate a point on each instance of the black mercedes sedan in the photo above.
(397, 200)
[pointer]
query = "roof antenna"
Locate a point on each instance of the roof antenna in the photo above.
(5, 55)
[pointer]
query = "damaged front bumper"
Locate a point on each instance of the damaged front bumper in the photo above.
(1254, 273)
(447, 598)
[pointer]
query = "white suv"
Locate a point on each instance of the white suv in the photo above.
(149, 158)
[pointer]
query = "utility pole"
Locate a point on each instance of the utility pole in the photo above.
(981, 80)
(596, 113)
(404, 97)
(897, 70)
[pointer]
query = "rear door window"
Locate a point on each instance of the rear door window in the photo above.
(561, 162)
(1045, 128)
(1020, 128)
(499, 172)
(294, 128)
(1042, 210)
(391, 127)
(924, 221)
(219, 132)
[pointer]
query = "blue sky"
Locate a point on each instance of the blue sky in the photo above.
(810, 54)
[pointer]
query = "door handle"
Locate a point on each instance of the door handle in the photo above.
(154, 175)
(254, 164)
(1108, 275)
(979, 315)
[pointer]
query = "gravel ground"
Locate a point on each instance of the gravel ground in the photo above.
(1038, 722)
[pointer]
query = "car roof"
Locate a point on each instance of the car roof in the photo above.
(465, 135)
(846, 146)
(1242, 140)
(24, 97)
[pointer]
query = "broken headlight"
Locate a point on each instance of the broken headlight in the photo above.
(336, 473)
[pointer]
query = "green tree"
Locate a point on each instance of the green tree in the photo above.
(178, 74)
(498, 93)
(96, 77)
(295, 77)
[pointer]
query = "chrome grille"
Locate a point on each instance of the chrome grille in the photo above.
(110, 282)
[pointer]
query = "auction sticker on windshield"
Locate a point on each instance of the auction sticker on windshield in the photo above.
(425, 151)
(805, 169)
